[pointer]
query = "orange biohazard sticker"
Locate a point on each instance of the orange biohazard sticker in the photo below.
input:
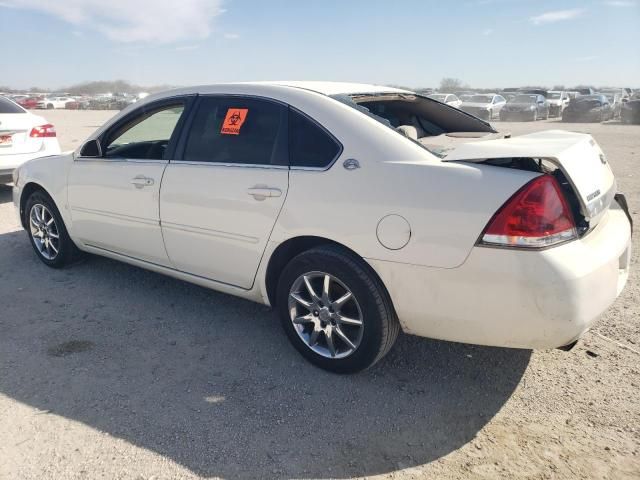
(233, 121)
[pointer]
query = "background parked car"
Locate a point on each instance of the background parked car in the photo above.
(29, 102)
(615, 100)
(630, 112)
(448, 98)
(525, 107)
(588, 108)
(585, 90)
(23, 136)
(486, 106)
(78, 104)
(54, 102)
(558, 101)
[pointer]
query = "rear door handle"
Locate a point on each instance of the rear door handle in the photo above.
(141, 181)
(260, 193)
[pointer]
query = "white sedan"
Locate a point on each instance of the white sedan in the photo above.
(448, 98)
(23, 136)
(355, 210)
(50, 103)
(486, 106)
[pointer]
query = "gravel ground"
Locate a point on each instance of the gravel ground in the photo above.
(109, 371)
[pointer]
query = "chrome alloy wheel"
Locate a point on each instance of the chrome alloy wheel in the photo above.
(329, 322)
(44, 231)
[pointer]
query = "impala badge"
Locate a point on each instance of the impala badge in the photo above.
(593, 195)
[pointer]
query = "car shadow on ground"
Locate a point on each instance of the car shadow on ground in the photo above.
(209, 381)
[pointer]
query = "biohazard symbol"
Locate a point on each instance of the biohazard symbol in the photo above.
(233, 121)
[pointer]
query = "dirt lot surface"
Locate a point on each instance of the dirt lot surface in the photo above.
(109, 371)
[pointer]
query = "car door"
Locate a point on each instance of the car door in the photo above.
(220, 199)
(114, 195)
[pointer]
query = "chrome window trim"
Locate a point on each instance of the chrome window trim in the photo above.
(236, 165)
(119, 160)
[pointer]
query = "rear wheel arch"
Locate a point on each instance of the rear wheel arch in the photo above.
(292, 247)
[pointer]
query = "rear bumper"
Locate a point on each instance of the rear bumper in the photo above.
(515, 298)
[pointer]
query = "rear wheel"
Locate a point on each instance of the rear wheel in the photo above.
(49, 106)
(335, 310)
(47, 232)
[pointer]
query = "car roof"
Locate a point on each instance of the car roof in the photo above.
(323, 88)
(333, 88)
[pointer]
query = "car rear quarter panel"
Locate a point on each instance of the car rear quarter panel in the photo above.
(446, 204)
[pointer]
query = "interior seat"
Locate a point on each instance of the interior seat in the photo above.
(408, 131)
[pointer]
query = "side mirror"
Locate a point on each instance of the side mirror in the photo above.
(91, 149)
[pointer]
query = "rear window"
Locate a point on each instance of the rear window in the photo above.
(309, 144)
(7, 106)
(236, 130)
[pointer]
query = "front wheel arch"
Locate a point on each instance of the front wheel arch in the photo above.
(27, 191)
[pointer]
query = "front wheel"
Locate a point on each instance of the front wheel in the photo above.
(335, 310)
(47, 232)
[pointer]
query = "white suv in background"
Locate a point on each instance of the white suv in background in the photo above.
(23, 136)
(558, 101)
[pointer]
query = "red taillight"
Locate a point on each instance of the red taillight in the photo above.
(43, 131)
(538, 215)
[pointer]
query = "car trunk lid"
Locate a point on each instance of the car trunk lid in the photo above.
(577, 155)
(14, 134)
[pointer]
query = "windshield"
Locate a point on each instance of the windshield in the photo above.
(554, 95)
(7, 106)
(480, 99)
(523, 99)
(439, 97)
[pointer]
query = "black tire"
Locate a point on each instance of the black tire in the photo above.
(380, 323)
(49, 106)
(67, 250)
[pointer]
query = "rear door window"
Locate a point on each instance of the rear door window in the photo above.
(310, 145)
(237, 130)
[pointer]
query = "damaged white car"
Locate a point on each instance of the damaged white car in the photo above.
(355, 210)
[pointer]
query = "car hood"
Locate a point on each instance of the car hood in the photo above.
(475, 105)
(576, 154)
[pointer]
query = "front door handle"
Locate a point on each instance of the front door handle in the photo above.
(260, 193)
(141, 181)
